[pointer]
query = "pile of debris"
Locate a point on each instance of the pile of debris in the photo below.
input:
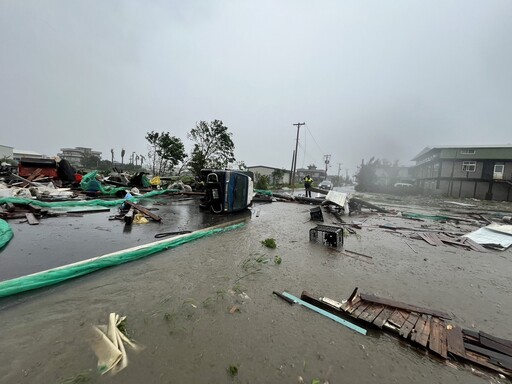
(424, 328)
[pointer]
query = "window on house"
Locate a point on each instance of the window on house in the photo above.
(467, 151)
(498, 168)
(468, 166)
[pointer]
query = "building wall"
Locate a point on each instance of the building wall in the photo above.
(267, 171)
(18, 154)
(507, 171)
(75, 155)
(449, 179)
(481, 189)
(458, 172)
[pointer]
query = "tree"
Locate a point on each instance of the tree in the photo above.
(213, 146)
(277, 176)
(90, 161)
(123, 152)
(262, 181)
(166, 151)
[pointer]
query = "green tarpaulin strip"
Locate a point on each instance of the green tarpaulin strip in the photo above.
(263, 192)
(81, 203)
(5, 233)
(421, 216)
(70, 271)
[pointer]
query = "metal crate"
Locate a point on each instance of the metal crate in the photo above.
(327, 235)
(316, 214)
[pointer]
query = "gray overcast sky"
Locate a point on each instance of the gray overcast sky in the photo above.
(369, 78)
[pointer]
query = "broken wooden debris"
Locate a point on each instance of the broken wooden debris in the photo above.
(424, 328)
(444, 238)
(407, 307)
(31, 218)
(144, 210)
(367, 204)
(128, 217)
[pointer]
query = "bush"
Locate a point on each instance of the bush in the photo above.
(262, 182)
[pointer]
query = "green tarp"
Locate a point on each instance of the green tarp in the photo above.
(80, 203)
(57, 275)
(5, 233)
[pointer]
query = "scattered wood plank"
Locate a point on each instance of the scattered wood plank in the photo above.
(128, 218)
(34, 208)
(398, 318)
(144, 210)
(10, 207)
(90, 210)
(504, 344)
(474, 246)
(422, 337)
(409, 324)
(381, 319)
(472, 334)
(484, 362)
(418, 328)
(407, 307)
(500, 358)
(454, 341)
(353, 294)
(437, 340)
(31, 218)
(371, 312)
(358, 254)
(353, 305)
(360, 309)
(429, 239)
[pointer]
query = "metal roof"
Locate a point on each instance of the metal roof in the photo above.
(428, 149)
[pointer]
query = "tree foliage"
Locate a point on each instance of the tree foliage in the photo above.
(165, 151)
(213, 146)
(89, 160)
(277, 176)
(262, 181)
(375, 175)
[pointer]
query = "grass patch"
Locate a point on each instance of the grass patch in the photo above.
(269, 243)
(233, 370)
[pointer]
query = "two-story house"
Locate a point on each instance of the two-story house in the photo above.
(482, 172)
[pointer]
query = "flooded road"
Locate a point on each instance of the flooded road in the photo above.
(178, 303)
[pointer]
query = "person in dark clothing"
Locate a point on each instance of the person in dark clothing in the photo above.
(308, 182)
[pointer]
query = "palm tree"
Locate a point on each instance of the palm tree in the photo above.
(142, 158)
(136, 160)
(112, 152)
(122, 156)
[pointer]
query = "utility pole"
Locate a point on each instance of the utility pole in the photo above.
(293, 162)
(295, 153)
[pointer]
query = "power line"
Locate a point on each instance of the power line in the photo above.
(318, 145)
